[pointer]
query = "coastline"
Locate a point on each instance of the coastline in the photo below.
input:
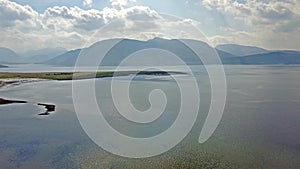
(81, 75)
(10, 79)
(13, 79)
(11, 82)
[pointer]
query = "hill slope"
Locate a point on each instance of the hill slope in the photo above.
(41, 55)
(8, 56)
(278, 57)
(155, 52)
(159, 48)
(240, 50)
(67, 59)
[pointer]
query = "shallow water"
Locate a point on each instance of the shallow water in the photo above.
(259, 129)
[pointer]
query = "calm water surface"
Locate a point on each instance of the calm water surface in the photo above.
(259, 129)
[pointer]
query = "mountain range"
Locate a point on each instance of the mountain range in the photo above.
(228, 53)
(240, 50)
(42, 55)
(8, 56)
(33, 56)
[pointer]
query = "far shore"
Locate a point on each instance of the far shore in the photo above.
(79, 75)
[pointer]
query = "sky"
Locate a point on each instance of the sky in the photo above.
(32, 24)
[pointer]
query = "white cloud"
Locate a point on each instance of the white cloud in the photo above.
(88, 3)
(64, 18)
(272, 24)
(256, 13)
(155, 25)
(120, 3)
(11, 13)
(263, 38)
(70, 27)
(265, 23)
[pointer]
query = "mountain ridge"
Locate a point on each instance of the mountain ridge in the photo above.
(179, 47)
(241, 50)
(125, 47)
(3, 66)
(8, 56)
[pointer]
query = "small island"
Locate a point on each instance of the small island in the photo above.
(49, 108)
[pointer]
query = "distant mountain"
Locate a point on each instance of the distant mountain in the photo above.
(41, 55)
(240, 50)
(67, 59)
(277, 57)
(127, 47)
(3, 66)
(228, 58)
(8, 56)
(160, 48)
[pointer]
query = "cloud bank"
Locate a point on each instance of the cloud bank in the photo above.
(23, 28)
(88, 3)
(272, 24)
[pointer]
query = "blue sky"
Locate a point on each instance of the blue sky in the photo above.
(271, 24)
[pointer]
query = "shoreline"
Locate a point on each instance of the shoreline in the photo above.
(9, 79)
(15, 78)
(80, 75)
(11, 82)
